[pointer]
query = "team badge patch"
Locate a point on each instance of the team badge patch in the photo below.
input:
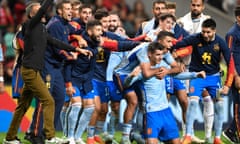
(48, 81)
(191, 90)
(216, 47)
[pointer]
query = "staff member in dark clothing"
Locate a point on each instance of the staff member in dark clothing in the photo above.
(36, 39)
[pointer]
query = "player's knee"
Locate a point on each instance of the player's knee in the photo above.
(115, 110)
(97, 108)
(219, 107)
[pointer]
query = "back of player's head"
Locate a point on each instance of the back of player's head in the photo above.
(30, 7)
(92, 23)
(209, 23)
(162, 34)
(237, 11)
(164, 16)
(153, 46)
(100, 13)
(171, 5)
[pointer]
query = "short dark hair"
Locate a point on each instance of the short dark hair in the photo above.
(76, 2)
(171, 5)
(159, 2)
(164, 16)
(203, 1)
(92, 23)
(209, 23)
(153, 46)
(237, 11)
(100, 13)
(162, 34)
(83, 6)
(60, 4)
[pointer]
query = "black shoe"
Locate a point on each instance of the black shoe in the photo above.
(28, 136)
(37, 140)
(231, 136)
(134, 136)
(131, 136)
(33, 139)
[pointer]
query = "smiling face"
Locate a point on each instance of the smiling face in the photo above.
(75, 10)
(65, 11)
(208, 33)
(166, 42)
(167, 24)
(105, 23)
(114, 22)
(155, 57)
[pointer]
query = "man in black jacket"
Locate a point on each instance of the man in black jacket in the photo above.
(35, 40)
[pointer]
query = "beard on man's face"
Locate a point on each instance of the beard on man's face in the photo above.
(95, 38)
(112, 28)
(195, 14)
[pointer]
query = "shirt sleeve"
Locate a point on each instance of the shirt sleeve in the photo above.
(142, 54)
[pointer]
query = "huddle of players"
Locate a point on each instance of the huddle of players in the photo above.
(137, 75)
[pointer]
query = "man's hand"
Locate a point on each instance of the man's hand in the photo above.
(224, 90)
(70, 89)
(82, 43)
(201, 74)
(162, 72)
(135, 72)
(85, 52)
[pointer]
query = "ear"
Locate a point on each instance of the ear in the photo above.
(149, 54)
(59, 11)
(238, 18)
(89, 31)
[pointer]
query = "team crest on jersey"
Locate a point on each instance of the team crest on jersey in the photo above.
(100, 56)
(216, 47)
(48, 81)
(191, 90)
(200, 45)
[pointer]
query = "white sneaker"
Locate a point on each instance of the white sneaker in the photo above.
(56, 140)
(109, 138)
(71, 141)
(197, 140)
(125, 141)
(79, 141)
(11, 142)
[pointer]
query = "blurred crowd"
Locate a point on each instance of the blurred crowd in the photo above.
(224, 5)
(12, 13)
